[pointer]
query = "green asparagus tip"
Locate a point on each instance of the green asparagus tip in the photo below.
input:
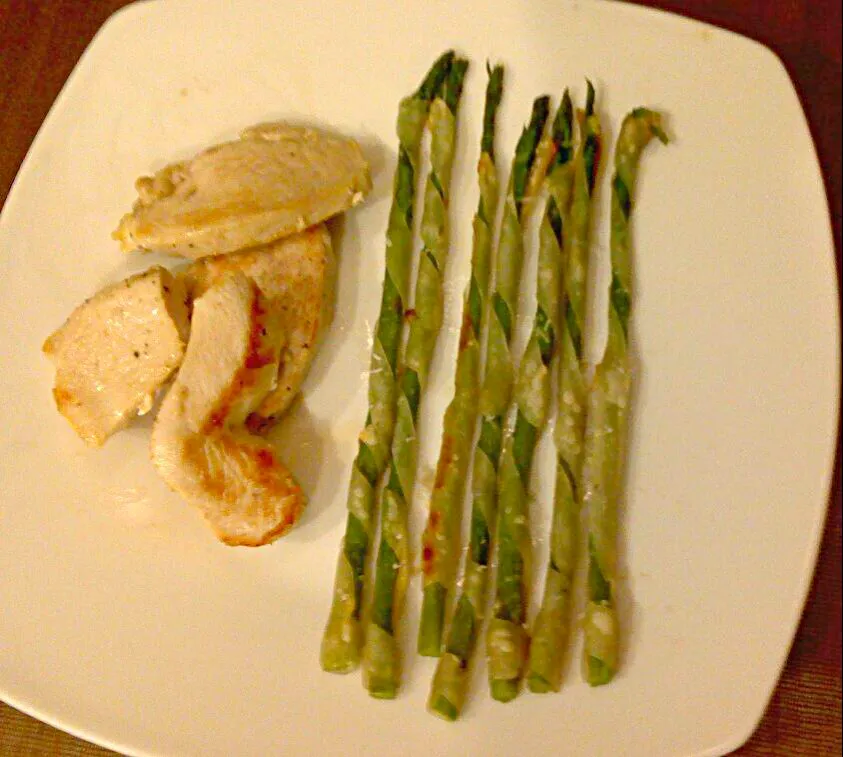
(589, 98)
(656, 127)
(563, 124)
(504, 690)
(538, 116)
(452, 88)
(654, 122)
(494, 92)
(435, 77)
(599, 673)
(495, 85)
(444, 708)
(592, 145)
(538, 684)
(563, 132)
(525, 151)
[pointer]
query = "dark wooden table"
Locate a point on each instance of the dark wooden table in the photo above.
(40, 42)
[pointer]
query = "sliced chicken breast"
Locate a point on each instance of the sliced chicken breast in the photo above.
(200, 444)
(116, 350)
(275, 180)
(296, 274)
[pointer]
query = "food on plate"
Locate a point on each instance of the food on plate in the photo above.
(254, 301)
(441, 538)
(605, 434)
(249, 212)
(507, 639)
(381, 659)
(547, 648)
(201, 445)
(342, 641)
(277, 179)
(499, 372)
(296, 275)
(451, 678)
(251, 209)
(116, 350)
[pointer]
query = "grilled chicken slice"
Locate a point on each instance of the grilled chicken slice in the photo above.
(200, 444)
(275, 180)
(296, 274)
(116, 350)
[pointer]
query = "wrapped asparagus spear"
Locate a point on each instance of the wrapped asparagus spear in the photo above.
(451, 677)
(381, 664)
(441, 538)
(507, 636)
(550, 630)
(607, 412)
(342, 641)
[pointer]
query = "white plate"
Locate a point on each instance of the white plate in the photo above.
(125, 622)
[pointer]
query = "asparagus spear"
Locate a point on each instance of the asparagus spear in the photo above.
(380, 654)
(342, 640)
(607, 411)
(451, 678)
(507, 638)
(441, 538)
(550, 629)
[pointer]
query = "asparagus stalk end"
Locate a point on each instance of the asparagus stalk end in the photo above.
(539, 684)
(504, 690)
(444, 708)
(432, 620)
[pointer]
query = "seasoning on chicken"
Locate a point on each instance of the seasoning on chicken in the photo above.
(116, 350)
(275, 180)
(200, 443)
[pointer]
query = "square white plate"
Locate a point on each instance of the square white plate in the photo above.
(125, 622)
